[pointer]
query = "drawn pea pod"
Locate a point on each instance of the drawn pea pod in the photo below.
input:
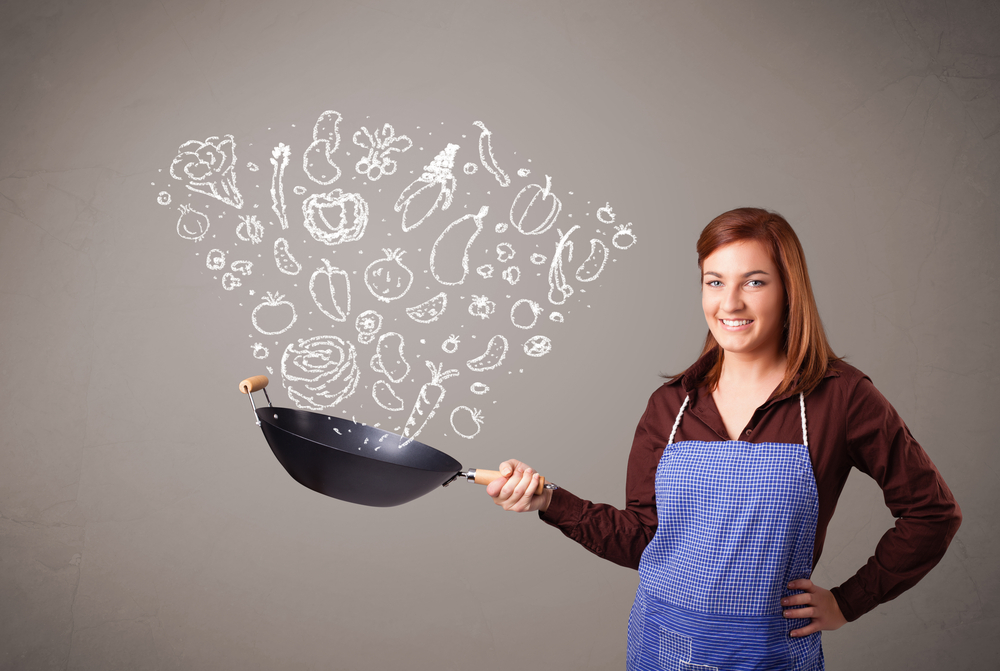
(455, 242)
(592, 268)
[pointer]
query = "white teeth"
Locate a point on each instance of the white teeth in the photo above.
(736, 322)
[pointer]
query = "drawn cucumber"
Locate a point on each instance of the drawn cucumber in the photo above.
(494, 355)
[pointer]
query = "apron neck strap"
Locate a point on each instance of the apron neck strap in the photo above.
(802, 412)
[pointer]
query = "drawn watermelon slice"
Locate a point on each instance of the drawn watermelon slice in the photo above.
(430, 310)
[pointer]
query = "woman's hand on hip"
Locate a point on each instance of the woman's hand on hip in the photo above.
(515, 491)
(818, 604)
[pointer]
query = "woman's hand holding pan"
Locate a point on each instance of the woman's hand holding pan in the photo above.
(515, 489)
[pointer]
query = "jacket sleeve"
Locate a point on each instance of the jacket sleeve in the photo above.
(927, 515)
(618, 535)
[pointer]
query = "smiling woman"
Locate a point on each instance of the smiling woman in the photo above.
(728, 499)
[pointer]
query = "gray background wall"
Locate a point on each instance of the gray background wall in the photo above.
(144, 523)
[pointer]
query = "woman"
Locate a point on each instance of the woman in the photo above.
(735, 471)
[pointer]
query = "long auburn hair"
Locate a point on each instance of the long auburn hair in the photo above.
(803, 339)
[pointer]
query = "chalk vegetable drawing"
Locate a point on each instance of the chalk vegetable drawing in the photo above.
(605, 214)
(250, 229)
(317, 161)
(215, 259)
(482, 307)
(209, 168)
(592, 268)
(385, 397)
(342, 230)
(494, 355)
(535, 208)
(450, 344)
(524, 313)
(452, 269)
(559, 288)
(280, 156)
(274, 315)
(192, 224)
(368, 324)
(427, 403)
(380, 148)
(320, 372)
(335, 218)
(244, 268)
(436, 182)
(330, 289)
(430, 310)
(230, 282)
(537, 346)
(512, 274)
(388, 279)
(283, 258)
(466, 421)
(486, 155)
(624, 237)
(389, 359)
(505, 252)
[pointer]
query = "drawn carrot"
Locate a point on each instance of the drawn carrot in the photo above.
(428, 400)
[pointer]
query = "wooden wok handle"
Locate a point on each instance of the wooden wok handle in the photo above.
(254, 383)
(484, 477)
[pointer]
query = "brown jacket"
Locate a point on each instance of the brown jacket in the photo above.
(849, 424)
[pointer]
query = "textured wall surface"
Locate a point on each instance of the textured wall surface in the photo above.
(144, 524)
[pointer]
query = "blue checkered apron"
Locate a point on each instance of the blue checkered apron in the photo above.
(736, 524)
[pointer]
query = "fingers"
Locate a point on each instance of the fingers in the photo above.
(818, 605)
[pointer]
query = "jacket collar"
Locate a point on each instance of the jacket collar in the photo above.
(690, 378)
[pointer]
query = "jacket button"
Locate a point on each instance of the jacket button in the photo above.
(749, 431)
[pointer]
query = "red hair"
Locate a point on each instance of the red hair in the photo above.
(803, 339)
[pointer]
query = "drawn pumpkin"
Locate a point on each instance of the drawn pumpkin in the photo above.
(535, 209)
(335, 217)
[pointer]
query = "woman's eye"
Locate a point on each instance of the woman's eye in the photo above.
(755, 283)
(714, 283)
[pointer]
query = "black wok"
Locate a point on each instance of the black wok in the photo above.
(354, 462)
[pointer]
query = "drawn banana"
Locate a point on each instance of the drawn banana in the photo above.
(486, 155)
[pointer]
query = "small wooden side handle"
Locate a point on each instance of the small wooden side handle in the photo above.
(484, 477)
(254, 383)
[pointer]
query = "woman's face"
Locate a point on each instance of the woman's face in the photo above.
(743, 299)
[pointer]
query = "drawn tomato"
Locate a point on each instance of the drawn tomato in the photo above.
(274, 315)
(388, 279)
(624, 238)
(535, 209)
(467, 422)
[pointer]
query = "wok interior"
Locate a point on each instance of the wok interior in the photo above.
(359, 439)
